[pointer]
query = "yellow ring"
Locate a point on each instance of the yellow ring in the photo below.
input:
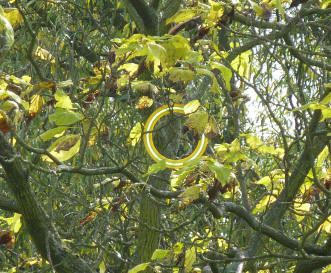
(149, 144)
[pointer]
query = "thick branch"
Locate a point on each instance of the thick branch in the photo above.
(40, 228)
(9, 205)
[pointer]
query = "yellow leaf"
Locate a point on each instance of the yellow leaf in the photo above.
(36, 105)
(63, 100)
(326, 226)
(177, 74)
(197, 122)
(241, 64)
(135, 135)
(144, 102)
(191, 107)
(64, 148)
(138, 268)
(190, 257)
(102, 267)
(301, 208)
(192, 193)
(182, 16)
(44, 55)
(132, 68)
(211, 129)
(264, 202)
(13, 16)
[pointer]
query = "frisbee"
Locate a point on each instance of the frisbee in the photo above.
(149, 144)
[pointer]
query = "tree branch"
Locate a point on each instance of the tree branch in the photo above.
(144, 16)
(9, 205)
(40, 227)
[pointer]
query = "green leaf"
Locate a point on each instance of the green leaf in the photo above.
(129, 67)
(253, 141)
(138, 268)
(261, 206)
(197, 122)
(221, 172)
(64, 84)
(55, 132)
(135, 134)
(180, 74)
(102, 267)
(264, 181)
(241, 64)
(191, 107)
(190, 257)
(192, 193)
(155, 168)
(226, 73)
(157, 51)
(216, 11)
(327, 98)
(65, 117)
(144, 87)
(178, 248)
(214, 87)
(63, 100)
(182, 16)
(64, 148)
(14, 222)
(160, 254)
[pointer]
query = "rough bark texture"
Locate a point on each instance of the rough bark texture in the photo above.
(40, 228)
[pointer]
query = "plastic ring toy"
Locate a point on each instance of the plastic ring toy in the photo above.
(149, 144)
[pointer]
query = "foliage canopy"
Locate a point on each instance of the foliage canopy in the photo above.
(78, 191)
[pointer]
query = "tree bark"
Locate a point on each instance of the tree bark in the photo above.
(43, 233)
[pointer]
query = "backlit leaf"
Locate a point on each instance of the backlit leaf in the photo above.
(192, 193)
(130, 67)
(44, 55)
(190, 257)
(221, 172)
(36, 105)
(160, 254)
(262, 204)
(144, 87)
(191, 107)
(65, 117)
(64, 148)
(179, 74)
(197, 122)
(135, 134)
(63, 100)
(182, 16)
(214, 87)
(264, 181)
(326, 226)
(226, 73)
(55, 132)
(14, 222)
(13, 16)
(241, 64)
(138, 268)
(102, 267)
(155, 168)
